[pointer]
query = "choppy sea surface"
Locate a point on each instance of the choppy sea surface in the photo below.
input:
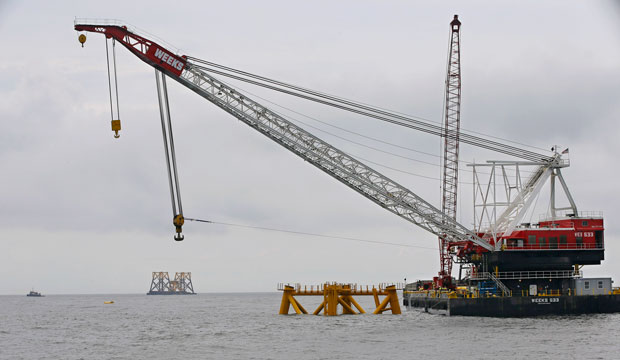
(247, 326)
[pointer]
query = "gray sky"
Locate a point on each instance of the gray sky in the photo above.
(86, 213)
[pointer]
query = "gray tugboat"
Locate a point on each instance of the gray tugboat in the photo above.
(34, 293)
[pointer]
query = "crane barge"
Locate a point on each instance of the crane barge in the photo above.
(511, 268)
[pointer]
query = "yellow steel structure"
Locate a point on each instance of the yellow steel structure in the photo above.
(335, 294)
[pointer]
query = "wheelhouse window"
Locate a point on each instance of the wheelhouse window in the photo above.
(553, 242)
(584, 223)
(598, 237)
(563, 241)
(531, 239)
(542, 241)
(586, 285)
(600, 284)
(515, 243)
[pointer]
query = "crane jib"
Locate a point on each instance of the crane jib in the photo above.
(147, 50)
(174, 64)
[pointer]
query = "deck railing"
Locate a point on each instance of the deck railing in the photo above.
(516, 275)
(354, 287)
(599, 246)
(568, 214)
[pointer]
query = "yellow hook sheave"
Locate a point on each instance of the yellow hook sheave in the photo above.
(82, 39)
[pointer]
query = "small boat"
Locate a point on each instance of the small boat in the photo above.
(108, 302)
(34, 293)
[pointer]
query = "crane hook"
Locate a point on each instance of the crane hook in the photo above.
(116, 127)
(82, 39)
(178, 222)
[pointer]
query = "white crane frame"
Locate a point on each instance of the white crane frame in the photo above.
(515, 195)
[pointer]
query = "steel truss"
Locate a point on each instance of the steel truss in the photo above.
(516, 194)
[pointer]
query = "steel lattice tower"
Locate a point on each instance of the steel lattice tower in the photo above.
(451, 132)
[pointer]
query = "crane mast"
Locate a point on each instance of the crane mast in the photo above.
(336, 163)
(451, 128)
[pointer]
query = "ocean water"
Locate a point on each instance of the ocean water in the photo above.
(247, 326)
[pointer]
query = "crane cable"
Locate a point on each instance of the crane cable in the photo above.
(107, 58)
(413, 124)
(171, 161)
(366, 137)
(308, 234)
(362, 109)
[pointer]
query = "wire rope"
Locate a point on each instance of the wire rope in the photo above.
(118, 111)
(107, 58)
(364, 145)
(172, 152)
(365, 110)
(413, 124)
(308, 233)
(163, 131)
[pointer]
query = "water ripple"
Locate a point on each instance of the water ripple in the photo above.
(246, 326)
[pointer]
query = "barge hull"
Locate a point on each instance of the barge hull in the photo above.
(518, 306)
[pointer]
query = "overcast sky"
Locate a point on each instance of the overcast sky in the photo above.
(83, 212)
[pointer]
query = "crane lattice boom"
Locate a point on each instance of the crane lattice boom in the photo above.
(452, 123)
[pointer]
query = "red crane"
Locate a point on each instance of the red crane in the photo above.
(195, 74)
